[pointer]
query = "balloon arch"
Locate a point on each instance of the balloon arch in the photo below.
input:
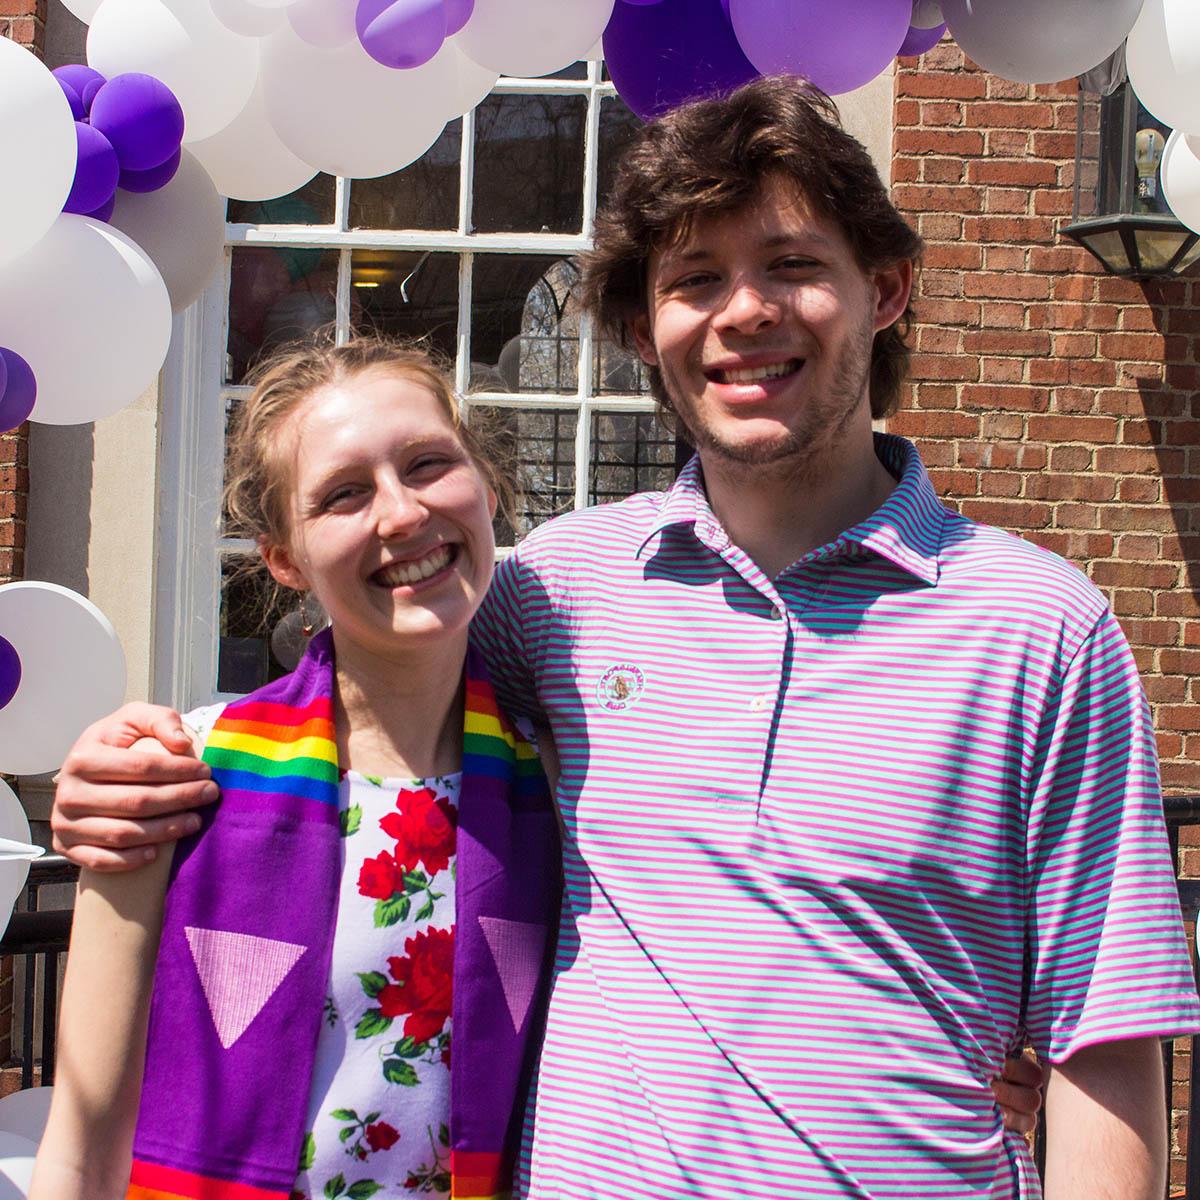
(185, 102)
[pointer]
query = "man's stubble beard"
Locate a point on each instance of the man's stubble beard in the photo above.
(800, 453)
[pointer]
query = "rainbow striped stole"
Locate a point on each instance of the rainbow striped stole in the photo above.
(223, 1113)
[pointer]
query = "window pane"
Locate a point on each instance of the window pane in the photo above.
(524, 324)
(577, 70)
(617, 371)
(251, 609)
(422, 196)
(313, 204)
(406, 293)
(277, 294)
(618, 125)
(631, 452)
(529, 164)
(538, 446)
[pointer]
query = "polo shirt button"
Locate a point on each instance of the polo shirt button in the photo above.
(775, 614)
(758, 703)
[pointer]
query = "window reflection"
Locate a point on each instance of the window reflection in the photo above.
(529, 164)
(422, 196)
(631, 452)
(277, 294)
(312, 204)
(251, 609)
(524, 324)
(408, 294)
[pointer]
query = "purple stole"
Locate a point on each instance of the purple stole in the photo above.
(247, 937)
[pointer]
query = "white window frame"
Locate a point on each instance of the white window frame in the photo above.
(191, 449)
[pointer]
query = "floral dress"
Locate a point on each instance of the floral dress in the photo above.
(379, 1107)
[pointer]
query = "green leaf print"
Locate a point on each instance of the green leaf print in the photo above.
(372, 983)
(364, 1189)
(391, 911)
(426, 910)
(335, 1187)
(351, 820)
(444, 1134)
(344, 1114)
(415, 881)
(377, 780)
(396, 1070)
(371, 1118)
(371, 1024)
(308, 1152)
(407, 1048)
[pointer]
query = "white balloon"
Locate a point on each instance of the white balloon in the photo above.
(210, 68)
(15, 855)
(16, 1166)
(72, 673)
(325, 23)
(37, 148)
(1163, 60)
(246, 18)
(1181, 178)
(534, 37)
(1032, 41)
(85, 10)
(344, 113)
(247, 161)
(24, 1113)
(89, 312)
(154, 219)
(926, 14)
(474, 81)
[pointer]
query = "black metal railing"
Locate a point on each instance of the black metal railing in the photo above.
(39, 937)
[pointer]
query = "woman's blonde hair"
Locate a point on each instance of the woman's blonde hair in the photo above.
(257, 472)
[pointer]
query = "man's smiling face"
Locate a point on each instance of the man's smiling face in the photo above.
(762, 322)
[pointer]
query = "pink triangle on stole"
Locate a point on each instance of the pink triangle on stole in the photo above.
(239, 974)
(517, 948)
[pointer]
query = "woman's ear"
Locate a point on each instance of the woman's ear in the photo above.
(283, 568)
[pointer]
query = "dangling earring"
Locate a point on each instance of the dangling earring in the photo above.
(308, 623)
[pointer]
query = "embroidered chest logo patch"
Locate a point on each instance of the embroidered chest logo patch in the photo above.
(620, 687)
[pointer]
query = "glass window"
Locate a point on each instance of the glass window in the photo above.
(473, 249)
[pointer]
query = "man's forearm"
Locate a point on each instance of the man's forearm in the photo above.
(1106, 1124)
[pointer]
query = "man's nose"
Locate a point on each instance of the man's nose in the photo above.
(748, 308)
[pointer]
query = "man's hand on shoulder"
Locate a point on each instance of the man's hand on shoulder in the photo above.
(126, 786)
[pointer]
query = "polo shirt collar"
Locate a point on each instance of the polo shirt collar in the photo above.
(907, 529)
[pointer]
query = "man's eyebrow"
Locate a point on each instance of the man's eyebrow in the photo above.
(818, 241)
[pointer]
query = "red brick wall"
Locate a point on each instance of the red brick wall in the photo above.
(1049, 398)
(23, 21)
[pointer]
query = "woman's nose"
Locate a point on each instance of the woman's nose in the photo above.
(399, 509)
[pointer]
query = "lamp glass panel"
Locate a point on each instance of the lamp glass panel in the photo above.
(1110, 248)
(1189, 259)
(1156, 247)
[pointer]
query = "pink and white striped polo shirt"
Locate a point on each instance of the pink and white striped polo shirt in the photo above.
(833, 839)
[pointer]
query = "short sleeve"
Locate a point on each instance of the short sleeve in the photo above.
(201, 720)
(1108, 958)
(503, 631)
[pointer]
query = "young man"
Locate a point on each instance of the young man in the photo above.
(856, 793)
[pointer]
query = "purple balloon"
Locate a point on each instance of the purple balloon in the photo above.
(74, 99)
(660, 55)
(642, 3)
(10, 671)
(96, 171)
(89, 92)
(458, 13)
(839, 47)
(919, 41)
(105, 211)
(401, 33)
(141, 117)
(16, 402)
(3, 377)
(153, 179)
(77, 76)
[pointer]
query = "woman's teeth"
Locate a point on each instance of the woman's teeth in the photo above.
(414, 572)
(754, 374)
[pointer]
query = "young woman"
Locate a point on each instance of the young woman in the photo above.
(382, 867)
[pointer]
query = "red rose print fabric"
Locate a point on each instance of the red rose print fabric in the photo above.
(379, 1111)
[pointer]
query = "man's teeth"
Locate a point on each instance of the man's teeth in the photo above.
(414, 572)
(754, 374)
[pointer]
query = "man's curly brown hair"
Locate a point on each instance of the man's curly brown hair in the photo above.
(712, 157)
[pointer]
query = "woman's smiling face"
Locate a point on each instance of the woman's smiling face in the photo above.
(390, 520)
